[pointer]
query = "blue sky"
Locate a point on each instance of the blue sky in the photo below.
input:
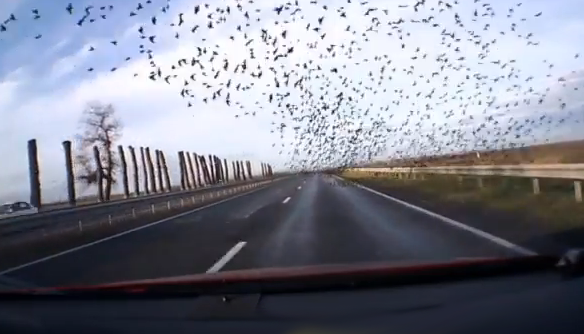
(44, 83)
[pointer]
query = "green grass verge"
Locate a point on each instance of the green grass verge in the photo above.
(555, 206)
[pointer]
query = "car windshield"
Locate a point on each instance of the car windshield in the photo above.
(162, 138)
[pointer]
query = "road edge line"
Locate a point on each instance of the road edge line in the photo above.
(497, 240)
(80, 247)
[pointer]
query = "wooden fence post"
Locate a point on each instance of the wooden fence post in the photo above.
(70, 173)
(34, 174)
(191, 170)
(181, 164)
(166, 173)
(196, 158)
(151, 170)
(135, 169)
(144, 171)
(159, 170)
(124, 167)
(99, 174)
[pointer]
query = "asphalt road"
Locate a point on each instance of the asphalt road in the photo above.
(300, 220)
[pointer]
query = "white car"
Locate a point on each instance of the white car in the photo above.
(15, 209)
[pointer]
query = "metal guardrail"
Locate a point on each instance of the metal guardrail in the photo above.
(95, 206)
(18, 234)
(535, 172)
(553, 171)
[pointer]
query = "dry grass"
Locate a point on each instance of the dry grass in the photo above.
(555, 205)
(562, 152)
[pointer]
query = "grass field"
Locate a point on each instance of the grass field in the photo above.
(561, 152)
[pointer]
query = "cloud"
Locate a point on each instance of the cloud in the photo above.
(45, 96)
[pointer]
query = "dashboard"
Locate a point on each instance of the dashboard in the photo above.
(543, 302)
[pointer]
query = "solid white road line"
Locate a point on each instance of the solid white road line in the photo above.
(286, 200)
(22, 266)
(226, 258)
(452, 222)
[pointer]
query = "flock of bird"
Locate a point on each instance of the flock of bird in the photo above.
(347, 81)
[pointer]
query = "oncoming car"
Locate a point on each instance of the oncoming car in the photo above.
(14, 209)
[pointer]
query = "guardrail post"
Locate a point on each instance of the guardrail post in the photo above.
(34, 174)
(182, 203)
(80, 226)
(578, 191)
(480, 182)
(70, 174)
(133, 213)
(168, 205)
(460, 179)
(152, 208)
(109, 219)
(535, 183)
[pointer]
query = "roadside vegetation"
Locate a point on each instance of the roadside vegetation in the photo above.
(554, 208)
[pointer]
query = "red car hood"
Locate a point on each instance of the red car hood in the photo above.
(336, 272)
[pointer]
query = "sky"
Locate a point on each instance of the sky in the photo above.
(45, 84)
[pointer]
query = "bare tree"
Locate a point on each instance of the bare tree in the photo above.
(101, 129)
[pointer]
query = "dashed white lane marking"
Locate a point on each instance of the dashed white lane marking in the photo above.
(299, 187)
(286, 200)
(452, 222)
(227, 257)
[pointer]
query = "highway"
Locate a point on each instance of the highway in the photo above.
(67, 216)
(299, 220)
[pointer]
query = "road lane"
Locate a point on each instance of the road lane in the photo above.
(326, 222)
(186, 245)
(301, 220)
